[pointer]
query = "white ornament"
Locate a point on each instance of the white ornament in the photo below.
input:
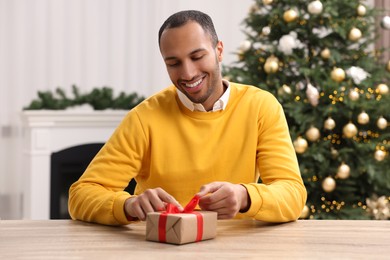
(385, 23)
(315, 7)
(312, 94)
(245, 45)
(357, 74)
(289, 42)
(322, 32)
(266, 30)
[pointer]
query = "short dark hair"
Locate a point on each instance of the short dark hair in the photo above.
(181, 18)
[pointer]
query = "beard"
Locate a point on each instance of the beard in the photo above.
(214, 81)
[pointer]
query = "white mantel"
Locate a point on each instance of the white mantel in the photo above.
(47, 131)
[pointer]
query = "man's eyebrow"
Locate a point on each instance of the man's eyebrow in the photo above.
(191, 53)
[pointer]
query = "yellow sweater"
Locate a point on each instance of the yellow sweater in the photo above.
(161, 143)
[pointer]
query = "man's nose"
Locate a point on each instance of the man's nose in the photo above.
(188, 71)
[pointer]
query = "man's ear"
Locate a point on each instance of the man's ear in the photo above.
(219, 50)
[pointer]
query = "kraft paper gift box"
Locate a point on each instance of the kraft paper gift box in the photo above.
(181, 228)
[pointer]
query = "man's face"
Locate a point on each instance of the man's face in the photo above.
(193, 63)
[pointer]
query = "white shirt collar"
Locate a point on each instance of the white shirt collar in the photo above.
(220, 104)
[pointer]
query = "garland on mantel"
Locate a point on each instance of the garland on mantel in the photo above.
(98, 99)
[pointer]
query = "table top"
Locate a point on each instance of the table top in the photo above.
(244, 239)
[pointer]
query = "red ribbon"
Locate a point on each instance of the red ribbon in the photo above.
(188, 209)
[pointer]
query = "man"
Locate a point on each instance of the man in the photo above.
(203, 136)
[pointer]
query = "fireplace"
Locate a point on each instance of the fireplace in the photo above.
(66, 167)
(48, 135)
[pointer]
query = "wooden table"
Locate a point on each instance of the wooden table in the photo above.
(238, 239)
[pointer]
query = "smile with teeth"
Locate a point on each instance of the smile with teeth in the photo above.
(195, 84)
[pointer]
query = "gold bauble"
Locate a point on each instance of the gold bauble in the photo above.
(388, 66)
(267, 2)
(328, 184)
(353, 95)
(379, 155)
(325, 53)
(382, 89)
(350, 130)
(343, 171)
(300, 145)
(337, 74)
(354, 34)
(361, 10)
(313, 134)
(329, 124)
(334, 153)
(381, 123)
(363, 118)
(271, 65)
(305, 212)
(290, 15)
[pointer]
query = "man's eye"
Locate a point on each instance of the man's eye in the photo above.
(197, 57)
(172, 64)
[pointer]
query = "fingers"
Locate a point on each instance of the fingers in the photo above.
(209, 188)
(151, 200)
(225, 198)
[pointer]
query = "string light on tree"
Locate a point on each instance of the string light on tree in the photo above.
(363, 118)
(315, 7)
(337, 74)
(329, 124)
(328, 184)
(381, 123)
(290, 15)
(355, 34)
(350, 130)
(300, 145)
(343, 171)
(388, 66)
(361, 10)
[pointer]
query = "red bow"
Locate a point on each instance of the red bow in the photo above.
(188, 209)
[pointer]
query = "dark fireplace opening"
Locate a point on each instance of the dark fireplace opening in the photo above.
(66, 167)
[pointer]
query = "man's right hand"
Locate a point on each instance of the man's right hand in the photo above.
(151, 200)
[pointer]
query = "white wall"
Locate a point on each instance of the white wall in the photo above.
(91, 43)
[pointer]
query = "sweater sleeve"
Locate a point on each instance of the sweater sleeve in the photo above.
(281, 195)
(99, 196)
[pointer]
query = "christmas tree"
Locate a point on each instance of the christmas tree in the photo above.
(319, 59)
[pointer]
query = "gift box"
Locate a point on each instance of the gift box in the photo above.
(181, 228)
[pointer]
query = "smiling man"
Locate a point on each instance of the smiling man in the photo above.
(202, 136)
